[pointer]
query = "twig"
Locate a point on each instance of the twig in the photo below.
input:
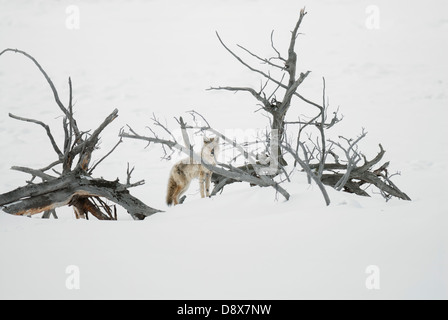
(107, 154)
(311, 174)
(53, 88)
(230, 174)
(128, 175)
(261, 59)
(257, 96)
(33, 172)
(352, 160)
(47, 129)
(279, 56)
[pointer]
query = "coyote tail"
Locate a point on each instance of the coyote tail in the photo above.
(172, 186)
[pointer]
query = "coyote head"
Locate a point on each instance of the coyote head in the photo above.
(210, 149)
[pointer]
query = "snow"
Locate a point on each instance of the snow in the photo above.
(159, 57)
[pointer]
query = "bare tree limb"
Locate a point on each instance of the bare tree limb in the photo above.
(264, 101)
(47, 129)
(36, 173)
(279, 56)
(261, 59)
(53, 88)
(238, 176)
(86, 148)
(353, 157)
(311, 174)
(73, 187)
(107, 154)
(59, 192)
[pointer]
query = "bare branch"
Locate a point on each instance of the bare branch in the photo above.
(86, 148)
(310, 173)
(267, 76)
(241, 60)
(159, 124)
(107, 154)
(229, 174)
(292, 91)
(73, 187)
(59, 192)
(261, 59)
(128, 179)
(183, 127)
(47, 129)
(291, 53)
(51, 165)
(368, 164)
(53, 88)
(279, 57)
(278, 86)
(352, 159)
(193, 113)
(33, 172)
(323, 153)
(264, 101)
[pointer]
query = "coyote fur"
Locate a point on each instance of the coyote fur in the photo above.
(186, 170)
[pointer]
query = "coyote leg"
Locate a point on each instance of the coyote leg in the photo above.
(208, 178)
(202, 184)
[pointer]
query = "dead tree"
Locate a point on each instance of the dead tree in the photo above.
(227, 171)
(73, 185)
(348, 176)
(289, 84)
(277, 109)
(351, 177)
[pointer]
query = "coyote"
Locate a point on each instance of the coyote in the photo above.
(186, 170)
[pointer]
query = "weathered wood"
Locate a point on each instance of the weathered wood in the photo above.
(230, 174)
(310, 173)
(364, 175)
(50, 83)
(74, 186)
(84, 205)
(277, 109)
(220, 181)
(37, 198)
(47, 129)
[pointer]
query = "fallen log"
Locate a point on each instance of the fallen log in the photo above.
(73, 189)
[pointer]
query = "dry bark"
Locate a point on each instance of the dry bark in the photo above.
(351, 178)
(72, 189)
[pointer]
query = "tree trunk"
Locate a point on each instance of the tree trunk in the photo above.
(72, 189)
(278, 123)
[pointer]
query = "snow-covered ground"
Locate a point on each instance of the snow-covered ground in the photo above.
(146, 57)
